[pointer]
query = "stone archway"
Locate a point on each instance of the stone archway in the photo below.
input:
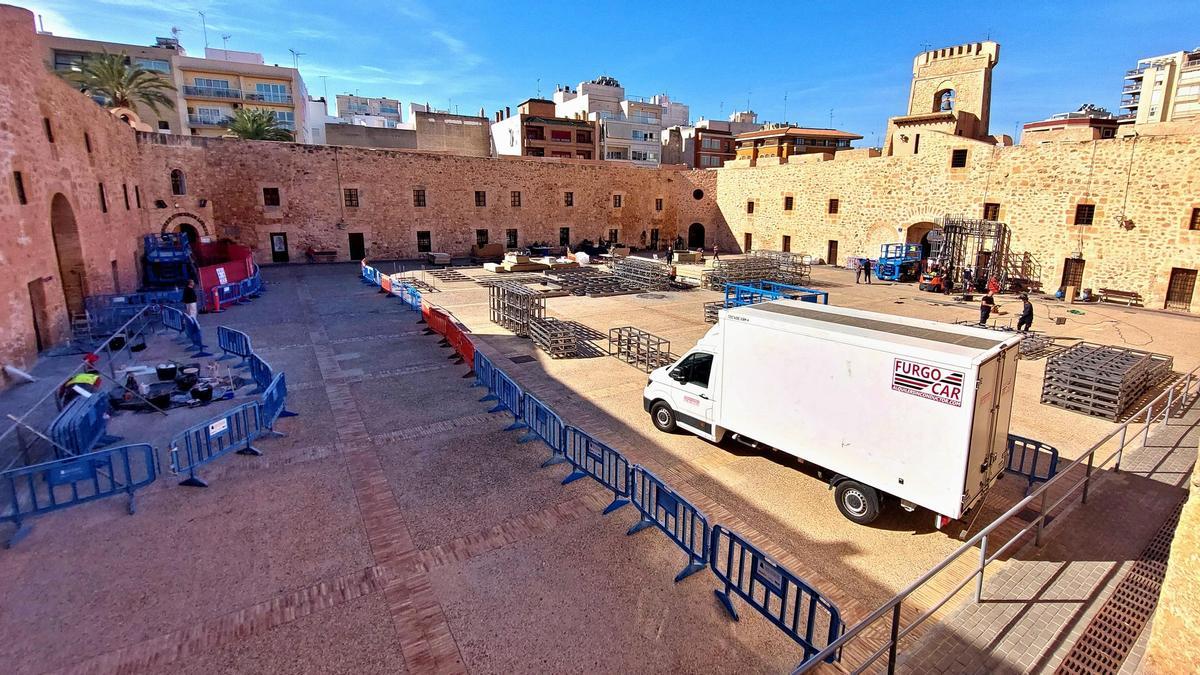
(918, 233)
(186, 222)
(695, 236)
(880, 234)
(68, 249)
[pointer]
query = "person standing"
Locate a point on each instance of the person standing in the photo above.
(716, 253)
(986, 304)
(968, 279)
(866, 268)
(189, 298)
(858, 270)
(1025, 322)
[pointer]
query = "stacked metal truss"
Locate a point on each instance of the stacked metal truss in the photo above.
(514, 306)
(1101, 380)
(791, 268)
(554, 337)
(591, 282)
(638, 348)
(737, 270)
(712, 311)
(647, 274)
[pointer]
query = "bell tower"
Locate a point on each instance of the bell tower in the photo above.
(951, 93)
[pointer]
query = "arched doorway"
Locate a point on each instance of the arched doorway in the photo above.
(696, 236)
(193, 236)
(918, 233)
(69, 251)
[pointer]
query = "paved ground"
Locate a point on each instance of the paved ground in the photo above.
(398, 527)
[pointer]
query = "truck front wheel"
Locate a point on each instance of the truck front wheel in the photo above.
(857, 502)
(663, 416)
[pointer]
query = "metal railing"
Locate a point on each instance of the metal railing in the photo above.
(211, 92)
(267, 97)
(208, 121)
(1175, 398)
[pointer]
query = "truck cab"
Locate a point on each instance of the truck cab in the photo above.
(684, 394)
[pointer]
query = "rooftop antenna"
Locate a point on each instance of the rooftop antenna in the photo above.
(225, 45)
(925, 46)
(325, 83)
(831, 118)
(175, 31)
(295, 58)
(204, 24)
(539, 87)
(785, 105)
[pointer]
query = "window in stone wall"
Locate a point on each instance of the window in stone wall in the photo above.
(658, 205)
(178, 183)
(834, 206)
(991, 211)
(103, 200)
(1193, 224)
(125, 192)
(788, 203)
(48, 128)
(19, 186)
(515, 198)
(419, 198)
(137, 196)
(958, 158)
(568, 199)
(87, 142)
(424, 241)
(271, 196)
(613, 235)
(1085, 214)
(510, 237)
(481, 238)
(350, 195)
(564, 236)
(480, 198)
(616, 201)
(164, 125)
(750, 207)
(787, 244)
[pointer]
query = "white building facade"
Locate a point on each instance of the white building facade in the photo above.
(631, 128)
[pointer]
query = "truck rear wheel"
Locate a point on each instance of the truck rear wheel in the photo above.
(663, 416)
(857, 502)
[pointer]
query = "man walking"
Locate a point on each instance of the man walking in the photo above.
(1025, 322)
(986, 304)
(189, 298)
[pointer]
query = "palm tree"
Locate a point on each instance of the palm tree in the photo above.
(257, 124)
(123, 84)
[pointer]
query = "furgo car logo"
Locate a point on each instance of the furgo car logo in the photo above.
(926, 381)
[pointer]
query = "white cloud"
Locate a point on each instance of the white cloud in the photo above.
(52, 19)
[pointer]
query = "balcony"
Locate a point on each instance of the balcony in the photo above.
(1136, 72)
(1190, 65)
(208, 120)
(1136, 86)
(224, 93)
(268, 97)
(283, 124)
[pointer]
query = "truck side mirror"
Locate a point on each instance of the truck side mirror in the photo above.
(679, 376)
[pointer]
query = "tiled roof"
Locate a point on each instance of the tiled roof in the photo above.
(799, 131)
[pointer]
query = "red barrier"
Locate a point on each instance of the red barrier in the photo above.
(439, 322)
(459, 340)
(385, 284)
(426, 312)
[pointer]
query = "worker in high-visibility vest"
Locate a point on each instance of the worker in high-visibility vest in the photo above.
(87, 380)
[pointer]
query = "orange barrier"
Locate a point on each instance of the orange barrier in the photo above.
(385, 284)
(457, 335)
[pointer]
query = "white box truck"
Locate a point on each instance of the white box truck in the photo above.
(891, 407)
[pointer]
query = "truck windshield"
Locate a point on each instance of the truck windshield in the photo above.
(694, 369)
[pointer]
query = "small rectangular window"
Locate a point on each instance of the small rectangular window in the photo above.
(515, 198)
(125, 191)
(1085, 214)
(19, 184)
(87, 142)
(424, 241)
(48, 128)
(419, 198)
(1193, 224)
(564, 236)
(164, 125)
(103, 200)
(510, 237)
(270, 196)
(137, 196)
(480, 198)
(481, 238)
(991, 211)
(658, 204)
(613, 235)
(833, 206)
(568, 199)
(616, 201)
(958, 159)
(351, 196)
(788, 203)
(750, 207)
(917, 144)
(787, 244)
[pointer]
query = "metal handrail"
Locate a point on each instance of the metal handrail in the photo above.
(893, 605)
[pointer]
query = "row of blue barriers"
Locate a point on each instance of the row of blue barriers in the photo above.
(188, 329)
(783, 598)
(81, 426)
(408, 293)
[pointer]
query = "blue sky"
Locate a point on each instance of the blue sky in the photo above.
(852, 58)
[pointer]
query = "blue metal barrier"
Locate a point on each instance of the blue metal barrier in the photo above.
(484, 372)
(234, 430)
(508, 397)
(192, 329)
(172, 318)
(260, 372)
(233, 343)
(590, 457)
(1025, 455)
(81, 426)
(781, 597)
(63, 483)
(663, 508)
(753, 292)
(544, 424)
(228, 294)
(274, 404)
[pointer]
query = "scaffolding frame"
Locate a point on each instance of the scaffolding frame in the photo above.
(514, 306)
(980, 244)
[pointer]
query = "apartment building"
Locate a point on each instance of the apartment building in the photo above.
(207, 90)
(1163, 89)
(783, 140)
(351, 107)
(535, 131)
(631, 127)
(708, 144)
(1088, 123)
